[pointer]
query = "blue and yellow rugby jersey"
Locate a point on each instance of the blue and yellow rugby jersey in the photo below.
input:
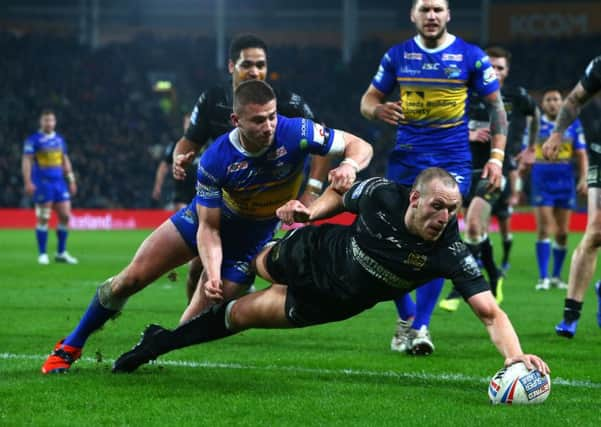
(571, 141)
(47, 151)
(253, 185)
(434, 85)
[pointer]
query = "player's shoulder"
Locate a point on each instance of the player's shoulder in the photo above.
(377, 187)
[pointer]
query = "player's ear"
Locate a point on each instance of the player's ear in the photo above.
(230, 66)
(413, 198)
(234, 119)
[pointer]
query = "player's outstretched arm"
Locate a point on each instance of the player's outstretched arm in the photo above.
(357, 155)
(208, 240)
(325, 206)
(502, 333)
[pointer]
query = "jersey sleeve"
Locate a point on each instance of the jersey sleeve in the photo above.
(385, 78)
(483, 77)
(209, 179)
(463, 270)
(316, 138)
(591, 81)
(199, 130)
(168, 153)
(579, 141)
(361, 191)
(29, 146)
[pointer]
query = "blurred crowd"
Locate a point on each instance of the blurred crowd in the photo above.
(116, 124)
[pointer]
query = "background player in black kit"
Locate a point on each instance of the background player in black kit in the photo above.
(400, 240)
(210, 118)
(481, 201)
(584, 258)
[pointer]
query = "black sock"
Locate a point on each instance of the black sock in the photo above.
(571, 310)
(489, 264)
(507, 243)
(207, 326)
(453, 294)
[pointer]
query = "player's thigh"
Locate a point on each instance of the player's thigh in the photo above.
(263, 309)
(479, 213)
(162, 251)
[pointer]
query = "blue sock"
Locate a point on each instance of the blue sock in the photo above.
(405, 307)
(559, 255)
(61, 233)
(93, 319)
(41, 234)
(426, 298)
(543, 253)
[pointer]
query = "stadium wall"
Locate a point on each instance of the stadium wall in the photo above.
(127, 219)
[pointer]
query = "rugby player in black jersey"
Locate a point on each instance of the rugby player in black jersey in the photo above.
(482, 202)
(211, 117)
(584, 258)
(400, 240)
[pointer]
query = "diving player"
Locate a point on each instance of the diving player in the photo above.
(330, 273)
(45, 166)
(243, 177)
(553, 194)
(435, 71)
(481, 201)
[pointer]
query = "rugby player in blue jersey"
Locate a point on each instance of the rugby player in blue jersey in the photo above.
(243, 177)
(584, 258)
(553, 193)
(45, 167)
(435, 72)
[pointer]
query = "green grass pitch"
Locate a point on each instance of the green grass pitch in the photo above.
(338, 374)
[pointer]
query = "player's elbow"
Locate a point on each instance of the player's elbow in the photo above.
(486, 308)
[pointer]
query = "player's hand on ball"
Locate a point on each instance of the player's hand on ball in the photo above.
(531, 361)
(179, 164)
(214, 290)
(293, 211)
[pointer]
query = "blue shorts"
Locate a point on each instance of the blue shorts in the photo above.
(404, 168)
(551, 189)
(50, 190)
(241, 241)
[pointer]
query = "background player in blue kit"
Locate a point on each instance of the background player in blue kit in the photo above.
(553, 191)
(242, 179)
(435, 71)
(45, 166)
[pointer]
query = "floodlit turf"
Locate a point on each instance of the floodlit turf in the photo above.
(339, 374)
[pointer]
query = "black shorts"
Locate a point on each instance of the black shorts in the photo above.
(593, 178)
(501, 208)
(312, 297)
(479, 187)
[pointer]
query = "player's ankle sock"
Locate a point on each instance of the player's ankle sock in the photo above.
(405, 307)
(95, 316)
(426, 298)
(488, 262)
(507, 243)
(41, 234)
(62, 232)
(559, 255)
(208, 326)
(571, 310)
(543, 253)
(453, 294)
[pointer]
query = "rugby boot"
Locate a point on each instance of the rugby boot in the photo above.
(143, 352)
(61, 358)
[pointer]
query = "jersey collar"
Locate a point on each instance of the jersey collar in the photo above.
(234, 138)
(450, 40)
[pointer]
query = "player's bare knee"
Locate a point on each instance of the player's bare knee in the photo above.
(42, 215)
(130, 280)
(235, 316)
(108, 298)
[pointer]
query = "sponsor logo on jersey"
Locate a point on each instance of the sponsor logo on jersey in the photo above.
(207, 191)
(457, 247)
(409, 71)
(318, 134)
(416, 260)
(304, 127)
(379, 74)
(430, 66)
(279, 152)
(470, 266)
(452, 71)
(237, 166)
(413, 55)
(457, 57)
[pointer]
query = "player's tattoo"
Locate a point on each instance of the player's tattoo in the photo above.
(534, 128)
(570, 109)
(498, 116)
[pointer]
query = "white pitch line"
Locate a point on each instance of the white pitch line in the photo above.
(444, 377)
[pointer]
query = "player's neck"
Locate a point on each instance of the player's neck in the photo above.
(47, 133)
(434, 43)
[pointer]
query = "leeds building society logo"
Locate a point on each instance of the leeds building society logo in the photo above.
(416, 260)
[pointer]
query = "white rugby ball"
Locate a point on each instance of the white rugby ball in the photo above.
(519, 386)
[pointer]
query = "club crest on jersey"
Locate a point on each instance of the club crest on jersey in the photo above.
(413, 55)
(452, 71)
(279, 152)
(489, 76)
(416, 260)
(457, 57)
(237, 166)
